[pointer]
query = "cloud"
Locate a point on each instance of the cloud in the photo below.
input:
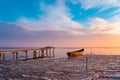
(56, 16)
(57, 28)
(117, 12)
(11, 31)
(101, 26)
(12, 34)
(16, 35)
(98, 25)
(99, 4)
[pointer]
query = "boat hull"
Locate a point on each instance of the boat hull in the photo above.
(75, 53)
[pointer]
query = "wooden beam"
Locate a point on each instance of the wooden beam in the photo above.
(13, 55)
(46, 52)
(53, 52)
(42, 53)
(3, 56)
(34, 54)
(49, 51)
(0, 56)
(39, 52)
(26, 55)
(16, 55)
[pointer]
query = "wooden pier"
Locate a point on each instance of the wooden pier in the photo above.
(46, 52)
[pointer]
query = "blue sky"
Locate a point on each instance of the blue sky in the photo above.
(41, 21)
(12, 10)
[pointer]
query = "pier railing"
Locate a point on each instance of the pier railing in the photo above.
(46, 52)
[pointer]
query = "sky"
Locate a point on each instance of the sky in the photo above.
(60, 23)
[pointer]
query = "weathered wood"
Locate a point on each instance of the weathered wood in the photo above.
(13, 55)
(53, 53)
(42, 52)
(46, 52)
(3, 56)
(16, 55)
(0, 56)
(34, 54)
(86, 64)
(49, 52)
(26, 55)
(39, 53)
(23, 50)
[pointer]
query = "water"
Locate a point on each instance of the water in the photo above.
(60, 52)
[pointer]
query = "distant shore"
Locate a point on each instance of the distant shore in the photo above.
(99, 67)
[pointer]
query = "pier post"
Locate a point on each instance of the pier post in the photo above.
(16, 55)
(87, 65)
(34, 54)
(26, 55)
(50, 52)
(39, 53)
(0, 56)
(46, 52)
(3, 56)
(42, 53)
(53, 53)
(13, 55)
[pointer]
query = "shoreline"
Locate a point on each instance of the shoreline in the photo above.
(62, 68)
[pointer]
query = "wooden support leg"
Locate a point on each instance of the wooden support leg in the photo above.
(42, 53)
(26, 55)
(46, 52)
(34, 54)
(13, 55)
(87, 65)
(0, 56)
(16, 55)
(3, 56)
(39, 53)
(53, 53)
(50, 52)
